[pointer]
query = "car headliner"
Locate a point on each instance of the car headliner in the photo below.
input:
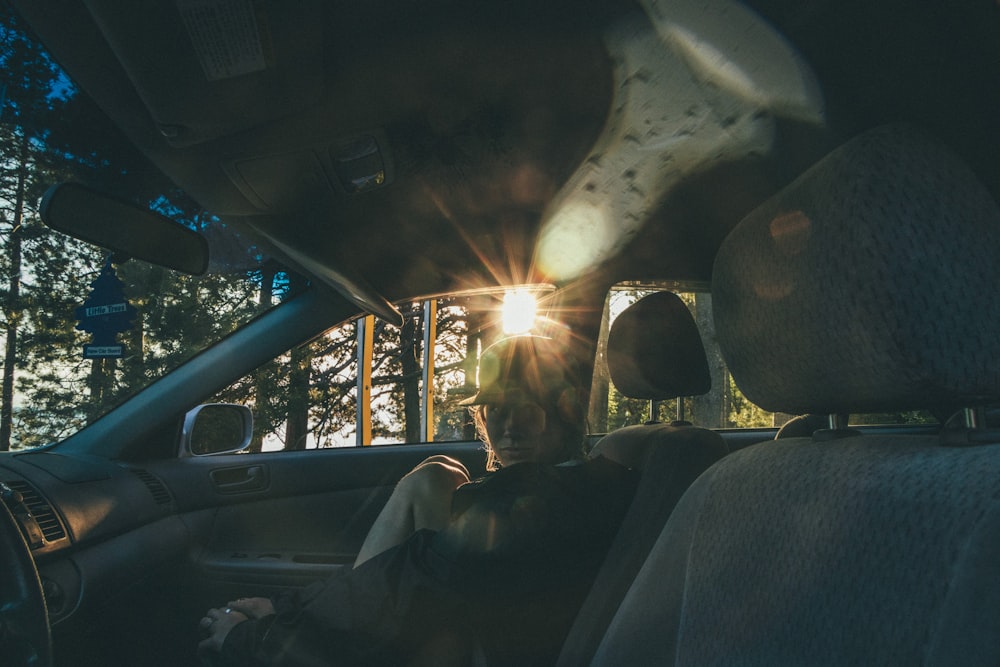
(485, 114)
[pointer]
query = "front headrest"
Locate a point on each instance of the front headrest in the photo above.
(655, 351)
(870, 284)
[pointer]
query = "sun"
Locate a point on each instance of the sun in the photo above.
(519, 311)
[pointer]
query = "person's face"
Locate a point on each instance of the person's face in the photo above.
(520, 429)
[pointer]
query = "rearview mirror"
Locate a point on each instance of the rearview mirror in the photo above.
(124, 228)
(216, 428)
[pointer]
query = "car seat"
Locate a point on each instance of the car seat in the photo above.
(868, 285)
(654, 353)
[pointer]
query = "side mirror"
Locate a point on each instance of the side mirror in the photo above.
(216, 428)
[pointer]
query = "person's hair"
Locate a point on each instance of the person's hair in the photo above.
(478, 413)
(568, 412)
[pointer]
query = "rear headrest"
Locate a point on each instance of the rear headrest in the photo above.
(655, 351)
(870, 284)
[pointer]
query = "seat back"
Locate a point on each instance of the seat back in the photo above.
(868, 285)
(654, 353)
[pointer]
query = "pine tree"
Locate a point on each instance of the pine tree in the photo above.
(28, 92)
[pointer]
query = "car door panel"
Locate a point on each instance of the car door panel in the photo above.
(262, 522)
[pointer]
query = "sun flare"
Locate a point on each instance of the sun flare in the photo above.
(519, 311)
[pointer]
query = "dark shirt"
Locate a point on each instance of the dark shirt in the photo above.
(506, 578)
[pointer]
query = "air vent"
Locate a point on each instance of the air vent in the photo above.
(160, 493)
(46, 518)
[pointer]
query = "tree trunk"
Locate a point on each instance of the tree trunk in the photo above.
(409, 355)
(297, 424)
(710, 410)
(474, 326)
(601, 385)
(134, 358)
(12, 314)
(12, 309)
(262, 390)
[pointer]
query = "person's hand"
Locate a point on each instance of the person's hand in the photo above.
(217, 623)
(252, 607)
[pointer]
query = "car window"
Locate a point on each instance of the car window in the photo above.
(58, 387)
(366, 382)
(724, 406)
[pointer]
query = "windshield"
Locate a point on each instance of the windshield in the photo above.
(61, 367)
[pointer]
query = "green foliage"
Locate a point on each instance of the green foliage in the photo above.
(743, 413)
(624, 411)
(912, 417)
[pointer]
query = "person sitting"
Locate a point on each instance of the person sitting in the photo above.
(498, 565)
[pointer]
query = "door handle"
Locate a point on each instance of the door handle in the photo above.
(240, 479)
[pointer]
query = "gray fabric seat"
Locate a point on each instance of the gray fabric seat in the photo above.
(868, 285)
(654, 353)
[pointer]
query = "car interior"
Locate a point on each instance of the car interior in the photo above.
(824, 172)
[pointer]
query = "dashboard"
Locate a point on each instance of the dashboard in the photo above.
(93, 526)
